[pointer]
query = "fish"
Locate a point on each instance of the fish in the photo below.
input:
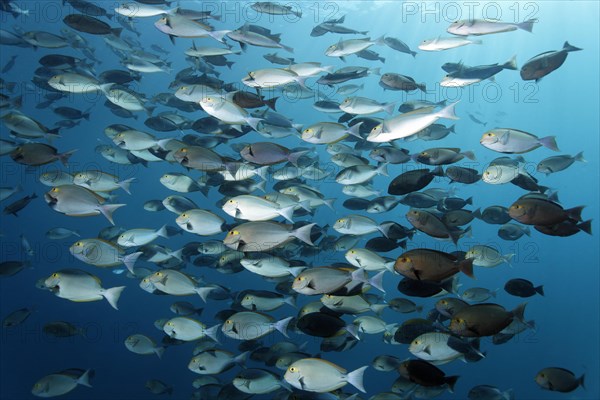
(16, 206)
(558, 379)
(249, 325)
(513, 141)
(78, 201)
(426, 374)
(80, 286)
(321, 376)
(484, 319)
(555, 164)
(522, 288)
(478, 27)
(543, 64)
(142, 344)
(407, 124)
(101, 253)
(431, 265)
(440, 43)
(263, 236)
(60, 383)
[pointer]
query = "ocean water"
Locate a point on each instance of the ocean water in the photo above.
(563, 104)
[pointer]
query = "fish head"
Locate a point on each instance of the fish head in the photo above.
(52, 196)
(53, 282)
(331, 49)
(169, 329)
(517, 211)
(147, 285)
(301, 282)
(458, 325)
(342, 223)
(308, 133)
(182, 156)
(489, 138)
(233, 239)
(183, 220)
(542, 379)
(293, 377)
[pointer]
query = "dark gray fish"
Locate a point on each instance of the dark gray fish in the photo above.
(544, 63)
(453, 203)
(558, 163)
(9, 64)
(412, 181)
(274, 58)
(462, 174)
(457, 218)
(393, 81)
(16, 206)
(512, 231)
(412, 329)
(118, 76)
(382, 244)
(91, 25)
(390, 155)
(495, 215)
(480, 72)
(419, 200)
(87, 8)
(399, 45)
(522, 288)
(356, 204)
(370, 55)
(72, 113)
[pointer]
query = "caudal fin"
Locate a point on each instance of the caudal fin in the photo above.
(568, 47)
(85, 378)
(303, 233)
(112, 295)
(125, 184)
(355, 378)
(287, 212)
(466, 267)
(448, 112)
(212, 332)
(511, 64)
(130, 259)
(282, 325)
(579, 157)
(527, 25)
(64, 157)
(108, 209)
(549, 142)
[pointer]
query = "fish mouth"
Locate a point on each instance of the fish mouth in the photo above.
(52, 201)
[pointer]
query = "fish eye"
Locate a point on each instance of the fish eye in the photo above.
(490, 134)
(292, 369)
(184, 215)
(229, 322)
(183, 150)
(230, 201)
(247, 298)
(55, 275)
(170, 323)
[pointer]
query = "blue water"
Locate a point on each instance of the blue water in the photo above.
(565, 104)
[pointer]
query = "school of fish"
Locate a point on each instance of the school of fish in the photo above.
(224, 139)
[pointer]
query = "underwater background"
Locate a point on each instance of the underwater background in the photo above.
(564, 104)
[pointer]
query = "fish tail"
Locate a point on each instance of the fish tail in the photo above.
(540, 290)
(125, 184)
(586, 226)
(569, 47)
(382, 169)
(85, 378)
(354, 130)
(356, 377)
(219, 35)
(380, 41)
(402, 244)
(519, 313)
(511, 64)
(581, 381)
(527, 25)
(287, 212)
(303, 233)
(575, 213)
(116, 31)
(466, 267)
(261, 186)
(451, 381)
(204, 291)
(162, 232)
(329, 203)
(271, 103)
(507, 258)
(469, 154)
(241, 359)
(448, 111)
(508, 395)
(385, 228)
(377, 281)
(291, 300)
(112, 295)
(549, 142)
(294, 271)
(108, 209)
(159, 351)
(282, 325)
(64, 157)
(579, 157)
(378, 308)
(353, 330)
(212, 332)
(130, 259)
